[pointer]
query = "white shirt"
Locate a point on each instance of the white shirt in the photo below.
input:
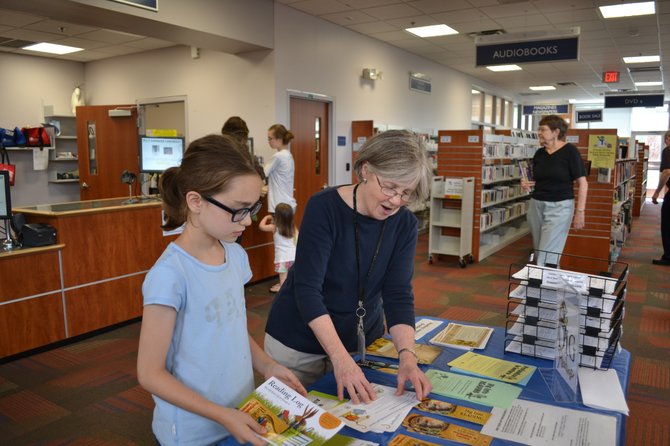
(280, 172)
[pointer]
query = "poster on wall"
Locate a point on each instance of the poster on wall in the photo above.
(151, 5)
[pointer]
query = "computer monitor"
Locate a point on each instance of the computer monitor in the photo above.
(5, 196)
(158, 153)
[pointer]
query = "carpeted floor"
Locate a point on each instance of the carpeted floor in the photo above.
(86, 393)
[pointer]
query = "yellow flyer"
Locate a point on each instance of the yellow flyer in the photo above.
(486, 366)
(422, 424)
(406, 440)
(384, 347)
(454, 411)
(602, 151)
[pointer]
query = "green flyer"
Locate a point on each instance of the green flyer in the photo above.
(476, 390)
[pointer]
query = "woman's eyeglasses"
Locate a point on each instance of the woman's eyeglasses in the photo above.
(237, 215)
(405, 196)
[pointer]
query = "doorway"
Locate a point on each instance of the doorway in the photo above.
(654, 139)
(310, 124)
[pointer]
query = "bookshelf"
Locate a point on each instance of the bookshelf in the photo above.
(608, 205)
(500, 203)
(641, 179)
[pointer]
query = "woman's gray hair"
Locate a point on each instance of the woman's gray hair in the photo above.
(397, 155)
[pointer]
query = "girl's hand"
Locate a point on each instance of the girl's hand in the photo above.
(284, 375)
(349, 376)
(409, 371)
(242, 427)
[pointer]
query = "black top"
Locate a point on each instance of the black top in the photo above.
(555, 173)
(665, 162)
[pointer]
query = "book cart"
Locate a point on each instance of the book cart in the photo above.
(533, 316)
(451, 213)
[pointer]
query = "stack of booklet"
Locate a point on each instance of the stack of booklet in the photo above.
(533, 314)
(466, 337)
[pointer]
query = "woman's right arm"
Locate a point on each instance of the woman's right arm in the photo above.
(158, 322)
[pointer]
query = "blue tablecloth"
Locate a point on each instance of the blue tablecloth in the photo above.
(536, 389)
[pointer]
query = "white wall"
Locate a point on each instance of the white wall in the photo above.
(613, 118)
(316, 56)
(29, 83)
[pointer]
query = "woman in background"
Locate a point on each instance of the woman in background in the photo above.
(280, 170)
(556, 166)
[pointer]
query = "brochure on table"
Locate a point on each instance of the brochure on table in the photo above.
(476, 390)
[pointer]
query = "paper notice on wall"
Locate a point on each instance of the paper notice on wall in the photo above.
(40, 158)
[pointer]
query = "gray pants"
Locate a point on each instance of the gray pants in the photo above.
(549, 223)
(308, 367)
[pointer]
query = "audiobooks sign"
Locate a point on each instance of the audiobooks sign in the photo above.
(545, 50)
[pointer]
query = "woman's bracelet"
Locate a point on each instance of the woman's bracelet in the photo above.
(410, 350)
(580, 210)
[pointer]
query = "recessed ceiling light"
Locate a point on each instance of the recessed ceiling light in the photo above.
(504, 68)
(642, 59)
(542, 87)
(432, 31)
(627, 10)
(475, 91)
(52, 48)
(648, 84)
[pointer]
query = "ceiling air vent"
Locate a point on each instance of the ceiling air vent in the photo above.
(645, 74)
(16, 43)
(566, 84)
(488, 32)
(529, 94)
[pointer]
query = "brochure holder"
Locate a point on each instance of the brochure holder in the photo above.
(533, 309)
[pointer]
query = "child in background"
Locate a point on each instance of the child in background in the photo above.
(195, 355)
(285, 235)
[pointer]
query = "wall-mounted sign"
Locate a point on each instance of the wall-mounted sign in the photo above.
(419, 82)
(146, 4)
(610, 77)
(634, 100)
(590, 115)
(545, 109)
(528, 51)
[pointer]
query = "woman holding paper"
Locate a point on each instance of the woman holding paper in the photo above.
(556, 166)
(353, 272)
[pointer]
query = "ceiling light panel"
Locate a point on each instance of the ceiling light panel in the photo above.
(432, 31)
(504, 68)
(542, 88)
(627, 10)
(52, 48)
(642, 59)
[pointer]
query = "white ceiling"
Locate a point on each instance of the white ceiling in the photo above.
(603, 43)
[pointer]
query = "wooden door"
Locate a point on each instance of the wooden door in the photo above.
(107, 146)
(310, 125)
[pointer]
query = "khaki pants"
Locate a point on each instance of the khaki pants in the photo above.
(308, 367)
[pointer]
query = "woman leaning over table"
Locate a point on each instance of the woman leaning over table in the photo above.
(556, 166)
(353, 271)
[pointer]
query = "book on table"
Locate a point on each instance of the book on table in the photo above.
(464, 337)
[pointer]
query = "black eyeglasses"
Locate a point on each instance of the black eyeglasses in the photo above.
(405, 196)
(237, 215)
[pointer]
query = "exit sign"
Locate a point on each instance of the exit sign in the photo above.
(611, 77)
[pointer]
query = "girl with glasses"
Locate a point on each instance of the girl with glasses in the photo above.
(353, 270)
(195, 354)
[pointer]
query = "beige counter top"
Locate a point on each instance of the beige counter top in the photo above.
(85, 207)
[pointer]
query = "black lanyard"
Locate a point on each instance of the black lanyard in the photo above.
(360, 311)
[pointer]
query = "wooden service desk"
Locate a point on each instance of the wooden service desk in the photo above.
(93, 278)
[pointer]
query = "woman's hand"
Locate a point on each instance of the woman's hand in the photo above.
(409, 371)
(241, 426)
(284, 375)
(578, 221)
(527, 185)
(349, 376)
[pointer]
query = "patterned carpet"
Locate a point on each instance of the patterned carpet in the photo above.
(86, 393)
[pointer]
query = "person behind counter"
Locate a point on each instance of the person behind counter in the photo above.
(353, 267)
(195, 354)
(280, 171)
(237, 128)
(556, 166)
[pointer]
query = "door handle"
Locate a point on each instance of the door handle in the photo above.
(84, 185)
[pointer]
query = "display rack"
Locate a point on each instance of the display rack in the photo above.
(533, 314)
(64, 158)
(451, 211)
(492, 160)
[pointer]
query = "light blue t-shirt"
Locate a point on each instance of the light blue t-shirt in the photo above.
(210, 350)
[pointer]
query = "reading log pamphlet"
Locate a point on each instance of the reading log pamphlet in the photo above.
(290, 419)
